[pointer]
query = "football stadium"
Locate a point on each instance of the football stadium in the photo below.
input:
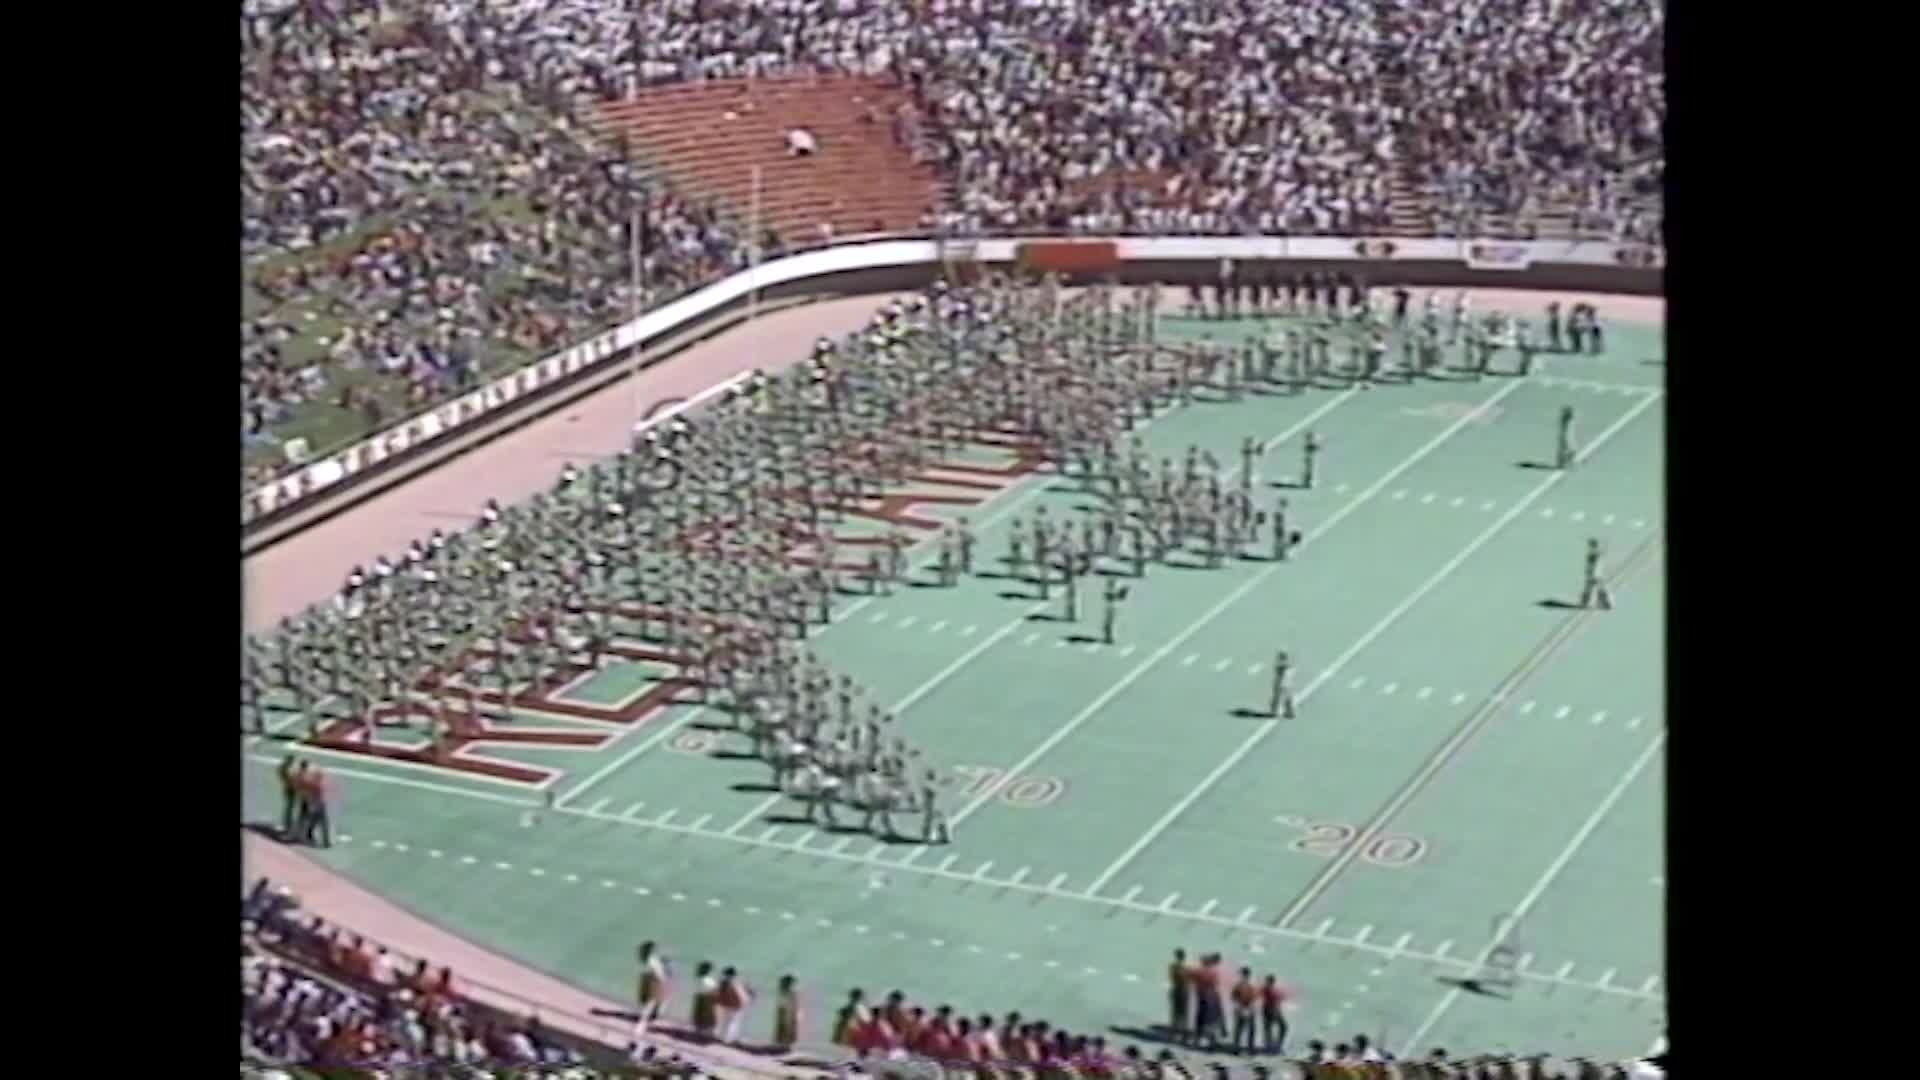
(792, 538)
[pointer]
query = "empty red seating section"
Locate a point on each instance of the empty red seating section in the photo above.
(708, 136)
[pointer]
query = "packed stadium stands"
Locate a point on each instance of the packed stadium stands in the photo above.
(427, 193)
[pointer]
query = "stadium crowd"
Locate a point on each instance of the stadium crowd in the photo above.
(419, 205)
(412, 220)
(316, 995)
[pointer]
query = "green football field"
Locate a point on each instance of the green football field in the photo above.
(1475, 761)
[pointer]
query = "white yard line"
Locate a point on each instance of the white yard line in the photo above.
(943, 871)
(1120, 686)
(1020, 621)
(1540, 887)
(666, 732)
(1266, 727)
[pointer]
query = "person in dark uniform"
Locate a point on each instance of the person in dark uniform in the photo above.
(1222, 288)
(1401, 297)
(1356, 293)
(290, 808)
(1196, 304)
(1553, 326)
(1179, 997)
(1273, 1017)
(1596, 343)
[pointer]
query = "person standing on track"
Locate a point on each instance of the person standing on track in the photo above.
(1210, 1025)
(317, 829)
(733, 1000)
(290, 809)
(1245, 996)
(1179, 996)
(1309, 449)
(786, 1015)
(1273, 1017)
(653, 988)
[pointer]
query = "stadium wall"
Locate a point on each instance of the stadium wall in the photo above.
(272, 512)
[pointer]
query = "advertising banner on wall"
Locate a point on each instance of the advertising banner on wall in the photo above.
(1485, 255)
(1069, 257)
(1639, 256)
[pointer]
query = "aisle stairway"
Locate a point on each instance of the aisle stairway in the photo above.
(708, 137)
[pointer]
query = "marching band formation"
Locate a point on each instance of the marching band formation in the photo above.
(721, 541)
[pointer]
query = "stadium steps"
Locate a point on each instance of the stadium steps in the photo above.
(709, 136)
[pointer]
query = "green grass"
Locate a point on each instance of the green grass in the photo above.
(1142, 813)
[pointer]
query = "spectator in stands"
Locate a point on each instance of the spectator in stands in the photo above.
(418, 206)
(318, 998)
(414, 206)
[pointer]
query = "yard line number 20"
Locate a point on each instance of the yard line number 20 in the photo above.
(1329, 839)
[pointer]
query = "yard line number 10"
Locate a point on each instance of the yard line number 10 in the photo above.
(1329, 839)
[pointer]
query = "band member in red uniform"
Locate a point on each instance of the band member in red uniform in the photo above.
(1273, 1017)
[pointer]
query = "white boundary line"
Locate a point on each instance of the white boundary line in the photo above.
(1540, 887)
(1266, 727)
(313, 750)
(1229, 600)
(969, 877)
(1020, 621)
(424, 785)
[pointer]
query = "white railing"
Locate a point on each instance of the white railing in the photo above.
(339, 470)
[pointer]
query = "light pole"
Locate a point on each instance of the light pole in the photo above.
(753, 250)
(622, 175)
